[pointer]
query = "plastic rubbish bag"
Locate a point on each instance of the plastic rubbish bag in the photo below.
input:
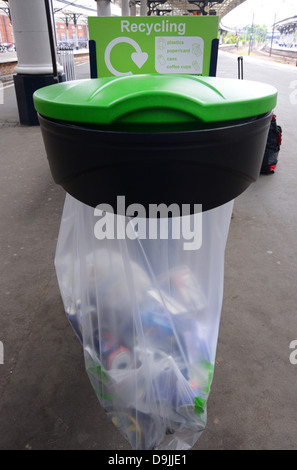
(147, 313)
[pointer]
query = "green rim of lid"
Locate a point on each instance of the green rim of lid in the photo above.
(155, 98)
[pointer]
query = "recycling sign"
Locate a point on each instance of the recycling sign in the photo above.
(141, 44)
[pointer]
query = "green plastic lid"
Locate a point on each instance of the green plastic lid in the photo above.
(153, 99)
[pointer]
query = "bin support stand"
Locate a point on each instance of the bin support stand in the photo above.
(35, 67)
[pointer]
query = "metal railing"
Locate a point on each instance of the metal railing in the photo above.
(65, 58)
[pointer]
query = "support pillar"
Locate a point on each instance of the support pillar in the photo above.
(125, 8)
(103, 8)
(132, 8)
(143, 7)
(35, 66)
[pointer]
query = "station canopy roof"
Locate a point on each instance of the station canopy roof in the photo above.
(85, 8)
(161, 7)
(287, 25)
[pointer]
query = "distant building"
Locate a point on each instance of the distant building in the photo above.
(65, 32)
(6, 34)
(276, 35)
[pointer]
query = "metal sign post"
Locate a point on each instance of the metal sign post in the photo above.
(48, 9)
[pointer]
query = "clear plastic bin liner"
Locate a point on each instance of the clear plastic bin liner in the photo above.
(147, 313)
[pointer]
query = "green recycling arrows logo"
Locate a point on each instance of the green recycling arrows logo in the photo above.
(139, 58)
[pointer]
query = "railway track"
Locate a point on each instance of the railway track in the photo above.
(279, 55)
(7, 66)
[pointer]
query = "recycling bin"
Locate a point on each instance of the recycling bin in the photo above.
(151, 165)
(191, 138)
